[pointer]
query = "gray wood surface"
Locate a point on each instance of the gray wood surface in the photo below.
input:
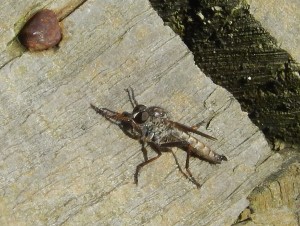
(61, 163)
(281, 19)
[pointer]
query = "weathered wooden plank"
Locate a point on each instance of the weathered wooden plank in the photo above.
(281, 19)
(248, 56)
(61, 163)
(276, 201)
(238, 53)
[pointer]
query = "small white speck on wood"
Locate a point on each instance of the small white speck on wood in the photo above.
(62, 163)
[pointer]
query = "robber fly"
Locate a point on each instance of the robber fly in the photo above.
(151, 125)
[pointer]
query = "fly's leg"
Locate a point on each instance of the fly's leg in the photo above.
(158, 149)
(179, 167)
(141, 165)
(144, 150)
(131, 96)
(187, 165)
(116, 118)
(111, 115)
(184, 144)
(165, 149)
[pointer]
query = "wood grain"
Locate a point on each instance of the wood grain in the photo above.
(61, 163)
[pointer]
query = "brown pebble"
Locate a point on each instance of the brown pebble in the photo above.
(42, 31)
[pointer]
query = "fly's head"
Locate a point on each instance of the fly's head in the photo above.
(141, 114)
(145, 120)
(137, 124)
(157, 112)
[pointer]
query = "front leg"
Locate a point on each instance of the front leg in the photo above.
(117, 118)
(111, 115)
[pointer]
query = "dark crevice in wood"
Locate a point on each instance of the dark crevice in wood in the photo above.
(232, 48)
(69, 10)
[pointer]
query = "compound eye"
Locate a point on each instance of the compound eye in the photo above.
(139, 108)
(141, 117)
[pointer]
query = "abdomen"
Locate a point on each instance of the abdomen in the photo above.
(201, 150)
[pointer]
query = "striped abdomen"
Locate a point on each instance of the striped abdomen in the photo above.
(200, 149)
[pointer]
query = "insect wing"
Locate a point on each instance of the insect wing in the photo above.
(185, 128)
